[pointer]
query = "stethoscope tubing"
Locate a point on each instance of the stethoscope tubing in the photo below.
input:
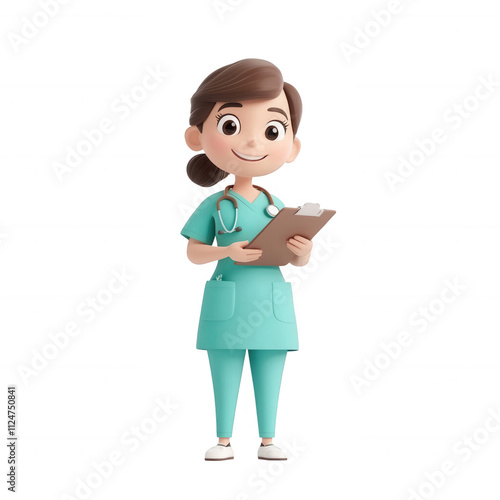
(269, 209)
(226, 230)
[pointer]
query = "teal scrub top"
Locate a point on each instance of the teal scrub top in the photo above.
(244, 307)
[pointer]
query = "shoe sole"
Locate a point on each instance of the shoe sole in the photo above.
(262, 458)
(218, 459)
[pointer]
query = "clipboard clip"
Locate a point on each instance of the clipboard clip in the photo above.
(310, 209)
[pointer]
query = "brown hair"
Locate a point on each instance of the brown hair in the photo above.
(241, 81)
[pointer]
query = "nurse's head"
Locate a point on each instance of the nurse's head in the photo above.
(245, 119)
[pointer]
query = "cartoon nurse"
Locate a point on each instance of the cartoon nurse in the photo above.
(245, 119)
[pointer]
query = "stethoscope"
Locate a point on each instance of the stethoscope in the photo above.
(271, 209)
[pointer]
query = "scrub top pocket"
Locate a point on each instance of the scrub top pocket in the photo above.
(218, 301)
(283, 302)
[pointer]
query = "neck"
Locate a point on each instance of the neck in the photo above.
(242, 184)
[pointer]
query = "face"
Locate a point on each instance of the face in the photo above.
(247, 138)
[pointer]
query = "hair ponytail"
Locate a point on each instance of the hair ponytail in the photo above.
(203, 172)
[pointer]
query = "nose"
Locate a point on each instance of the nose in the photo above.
(252, 142)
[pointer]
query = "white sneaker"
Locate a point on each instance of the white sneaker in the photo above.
(219, 452)
(270, 452)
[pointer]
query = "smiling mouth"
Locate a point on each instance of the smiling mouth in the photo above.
(248, 157)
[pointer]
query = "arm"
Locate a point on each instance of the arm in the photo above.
(301, 247)
(201, 253)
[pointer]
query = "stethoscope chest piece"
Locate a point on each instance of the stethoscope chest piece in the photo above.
(272, 210)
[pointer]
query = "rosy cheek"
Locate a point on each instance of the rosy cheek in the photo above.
(219, 144)
(279, 149)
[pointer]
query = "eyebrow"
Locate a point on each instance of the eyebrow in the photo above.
(231, 105)
(278, 110)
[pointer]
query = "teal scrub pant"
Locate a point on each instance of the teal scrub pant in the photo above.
(226, 366)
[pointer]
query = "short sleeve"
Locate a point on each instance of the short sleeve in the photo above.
(201, 224)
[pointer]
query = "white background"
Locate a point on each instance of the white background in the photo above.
(386, 253)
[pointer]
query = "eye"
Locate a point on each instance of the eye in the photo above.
(275, 131)
(228, 125)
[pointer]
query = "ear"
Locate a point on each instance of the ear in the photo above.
(295, 150)
(193, 138)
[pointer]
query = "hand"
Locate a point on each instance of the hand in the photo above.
(300, 246)
(240, 254)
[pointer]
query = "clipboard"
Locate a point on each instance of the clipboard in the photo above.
(305, 221)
